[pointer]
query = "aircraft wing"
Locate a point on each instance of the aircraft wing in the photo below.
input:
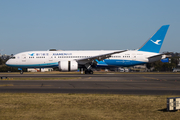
(98, 57)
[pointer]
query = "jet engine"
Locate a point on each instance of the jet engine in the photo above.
(68, 65)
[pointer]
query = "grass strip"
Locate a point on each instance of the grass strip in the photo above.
(83, 106)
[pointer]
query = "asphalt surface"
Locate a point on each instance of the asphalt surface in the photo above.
(140, 84)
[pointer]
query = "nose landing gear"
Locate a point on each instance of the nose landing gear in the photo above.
(21, 71)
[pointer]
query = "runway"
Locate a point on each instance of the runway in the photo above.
(141, 84)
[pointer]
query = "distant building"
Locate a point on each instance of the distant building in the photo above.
(40, 69)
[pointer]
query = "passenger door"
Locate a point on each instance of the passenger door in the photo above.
(23, 58)
(133, 56)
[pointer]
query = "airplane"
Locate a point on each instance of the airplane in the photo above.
(86, 60)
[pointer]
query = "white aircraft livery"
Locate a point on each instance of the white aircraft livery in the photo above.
(73, 60)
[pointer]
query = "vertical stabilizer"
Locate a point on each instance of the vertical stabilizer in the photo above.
(155, 41)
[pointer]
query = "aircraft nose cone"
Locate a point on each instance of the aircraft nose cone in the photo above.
(7, 63)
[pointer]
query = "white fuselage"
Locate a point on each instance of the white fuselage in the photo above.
(41, 59)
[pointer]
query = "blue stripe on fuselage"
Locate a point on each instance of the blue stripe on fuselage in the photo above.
(117, 62)
(45, 65)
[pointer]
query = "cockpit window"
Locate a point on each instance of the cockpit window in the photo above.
(13, 57)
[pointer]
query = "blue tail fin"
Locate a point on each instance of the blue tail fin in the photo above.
(155, 41)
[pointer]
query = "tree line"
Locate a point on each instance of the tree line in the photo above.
(173, 63)
(5, 68)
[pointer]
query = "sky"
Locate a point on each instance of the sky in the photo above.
(29, 25)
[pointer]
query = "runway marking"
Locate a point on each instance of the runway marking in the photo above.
(154, 78)
(4, 85)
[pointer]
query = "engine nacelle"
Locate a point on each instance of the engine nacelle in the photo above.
(68, 65)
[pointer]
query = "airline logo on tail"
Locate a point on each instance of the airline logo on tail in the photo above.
(157, 42)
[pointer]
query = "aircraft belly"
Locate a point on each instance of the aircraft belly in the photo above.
(44, 65)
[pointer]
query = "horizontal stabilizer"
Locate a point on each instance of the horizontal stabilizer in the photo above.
(156, 58)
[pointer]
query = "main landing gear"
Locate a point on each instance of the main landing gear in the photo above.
(88, 71)
(88, 68)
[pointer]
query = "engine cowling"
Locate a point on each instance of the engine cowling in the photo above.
(68, 65)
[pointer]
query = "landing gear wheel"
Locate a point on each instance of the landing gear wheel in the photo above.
(21, 72)
(88, 72)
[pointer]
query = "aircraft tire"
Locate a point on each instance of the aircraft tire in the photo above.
(88, 72)
(21, 72)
